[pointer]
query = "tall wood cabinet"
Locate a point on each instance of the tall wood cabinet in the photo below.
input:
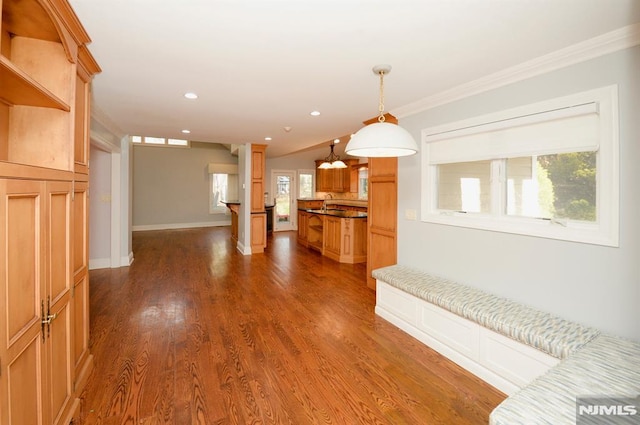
(45, 75)
(382, 213)
(258, 212)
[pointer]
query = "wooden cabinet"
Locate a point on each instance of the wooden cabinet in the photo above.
(332, 239)
(339, 238)
(36, 344)
(85, 70)
(45, 75)
(382, 215)
(334, 179)
(83, 360)
(258, 227)
(303, 218)
(315, 232)
(310, 204)
(345, 239)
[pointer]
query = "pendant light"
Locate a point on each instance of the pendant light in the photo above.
(333, 160)
(381, 139)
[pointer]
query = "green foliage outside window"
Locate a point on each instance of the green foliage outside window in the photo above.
(570, 179)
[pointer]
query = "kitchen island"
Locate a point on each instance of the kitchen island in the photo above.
(234, 208)
(338, 234)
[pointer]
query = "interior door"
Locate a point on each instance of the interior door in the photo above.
(283, 186)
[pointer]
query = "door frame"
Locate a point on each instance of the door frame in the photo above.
(293, 190)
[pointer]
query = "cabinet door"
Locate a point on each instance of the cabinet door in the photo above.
(324, 179)
(81, 133)
(80, 292)
(382, 215)
(340, 180)
(332, 236)
(58, 301)
(302, 227)
(22, 291)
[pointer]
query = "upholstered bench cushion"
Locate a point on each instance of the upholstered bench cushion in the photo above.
(553, 335)
(607, 366)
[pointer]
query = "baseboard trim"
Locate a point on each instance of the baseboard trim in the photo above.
(99, 263)
(172, 226)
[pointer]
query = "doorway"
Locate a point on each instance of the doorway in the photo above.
(283, 184)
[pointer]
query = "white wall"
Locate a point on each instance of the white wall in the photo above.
(594, 285)
(100, 209)
(109, 195)
(171, 186)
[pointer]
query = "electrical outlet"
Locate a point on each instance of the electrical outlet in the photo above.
(410, 214)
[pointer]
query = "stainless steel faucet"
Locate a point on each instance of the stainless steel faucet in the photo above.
(324, 203)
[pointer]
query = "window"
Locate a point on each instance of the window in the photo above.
(548, 169)
(223, 186)
(363, 183)
(159, 141)
(306, 186)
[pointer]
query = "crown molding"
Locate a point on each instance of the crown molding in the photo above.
(622, 38)
(105, 134)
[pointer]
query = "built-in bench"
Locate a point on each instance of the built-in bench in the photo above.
(607, 366)
(526, 353)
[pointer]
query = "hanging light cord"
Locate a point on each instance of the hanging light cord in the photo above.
(381, 104)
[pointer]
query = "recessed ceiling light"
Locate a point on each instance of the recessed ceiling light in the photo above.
(336, 140)
(191, 95)
(314, 113)
(185, 131)
(267, 138)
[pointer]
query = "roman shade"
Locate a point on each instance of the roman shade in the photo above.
(218, 168)
(570, 129)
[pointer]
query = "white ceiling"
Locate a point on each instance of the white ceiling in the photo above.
(261, 65)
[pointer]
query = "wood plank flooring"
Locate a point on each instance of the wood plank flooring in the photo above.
(193, 332)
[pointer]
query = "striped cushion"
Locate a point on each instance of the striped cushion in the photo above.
(553, 335)
(606, 367)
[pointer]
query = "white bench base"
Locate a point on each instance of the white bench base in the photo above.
(501, 361)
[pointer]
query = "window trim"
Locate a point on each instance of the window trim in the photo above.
(605, 231)
(310, 171)
(166, 142)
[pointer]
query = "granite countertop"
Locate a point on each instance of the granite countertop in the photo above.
(239, 203)
(339, 213)
(350, 202)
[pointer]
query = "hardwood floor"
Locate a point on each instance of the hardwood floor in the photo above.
(193, 332)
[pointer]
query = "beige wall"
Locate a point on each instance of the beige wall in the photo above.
(171, 186)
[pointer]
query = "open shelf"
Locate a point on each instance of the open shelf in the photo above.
(18, 88)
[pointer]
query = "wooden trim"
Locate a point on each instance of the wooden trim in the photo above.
(21, 171)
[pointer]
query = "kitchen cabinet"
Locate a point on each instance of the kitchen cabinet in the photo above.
(45, 75)
(234, 209)
(339, 235)
(345, 239)
(315, 232)
(303, 218)
(336, 180)
(310, 204)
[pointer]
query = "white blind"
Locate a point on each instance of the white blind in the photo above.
(216, 168)
(571, 129)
